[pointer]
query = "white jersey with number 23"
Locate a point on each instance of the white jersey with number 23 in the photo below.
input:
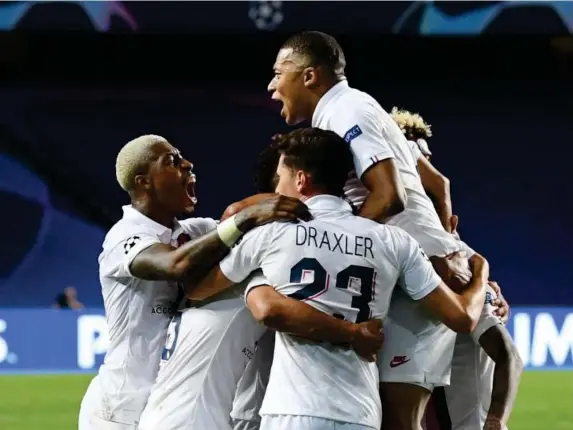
(345, 266)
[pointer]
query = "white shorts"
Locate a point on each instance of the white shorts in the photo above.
(89, 419)
(417, 349)
(253, 384)
(296, 422)
(206, 353)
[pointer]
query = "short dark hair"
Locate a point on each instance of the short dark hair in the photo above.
(266, 169)
(321, 49)
(324, 155)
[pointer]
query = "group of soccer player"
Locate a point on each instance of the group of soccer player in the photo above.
(339, 297)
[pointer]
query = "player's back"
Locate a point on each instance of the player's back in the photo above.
(345, 266)
(374, 136)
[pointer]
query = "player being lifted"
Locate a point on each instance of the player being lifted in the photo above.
(144, 256)
(486, 366)
(310, 83)
(344, 265)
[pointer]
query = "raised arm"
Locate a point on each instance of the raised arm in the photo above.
(163, 262)
(438, 186)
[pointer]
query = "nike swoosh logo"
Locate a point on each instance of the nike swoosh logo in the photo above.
(396, 363)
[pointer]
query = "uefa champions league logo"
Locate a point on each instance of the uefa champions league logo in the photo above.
(266, 15)
(435, 22)
(99, 13)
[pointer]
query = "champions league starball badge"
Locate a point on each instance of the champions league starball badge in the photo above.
(266, 15)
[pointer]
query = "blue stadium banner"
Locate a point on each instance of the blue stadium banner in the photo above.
(424, 18)
(55, 341)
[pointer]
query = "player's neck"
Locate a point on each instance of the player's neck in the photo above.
(310, 195)
(156, 214)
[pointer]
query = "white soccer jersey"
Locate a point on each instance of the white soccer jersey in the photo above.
(206, 353)
(343, 265)
(137, 313)
(469, 395)
(374, 136)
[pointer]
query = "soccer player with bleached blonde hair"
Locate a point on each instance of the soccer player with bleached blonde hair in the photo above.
(145, 256)
(414, 128)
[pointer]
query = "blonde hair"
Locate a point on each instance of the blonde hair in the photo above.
(411, 124)
(133, 157)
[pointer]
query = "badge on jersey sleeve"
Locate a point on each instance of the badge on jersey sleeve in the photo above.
(130, 243)
(352, 134)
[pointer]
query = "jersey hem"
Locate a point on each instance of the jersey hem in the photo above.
(343, 420)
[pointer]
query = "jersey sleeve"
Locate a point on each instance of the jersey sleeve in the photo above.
(415, 149)
(487, 319)
(469, 251)
(417, 276)
(196, 227)
(115, 261)
(364, 131)
(247, 255)
(256, 279)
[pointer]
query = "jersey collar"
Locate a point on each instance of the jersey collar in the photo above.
(325, 203)
(325, 99)
(133, 215)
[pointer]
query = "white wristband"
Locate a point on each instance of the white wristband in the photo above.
(228, 232)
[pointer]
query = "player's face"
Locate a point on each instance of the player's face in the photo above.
(171, 181)
(288, 87)
(287, 181)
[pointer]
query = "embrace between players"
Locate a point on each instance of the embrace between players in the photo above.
(280, 323)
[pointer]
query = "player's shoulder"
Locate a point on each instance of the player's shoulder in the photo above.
(123, 230)
(395, 238)
(361, 103)
(196, 227)
(265, 232)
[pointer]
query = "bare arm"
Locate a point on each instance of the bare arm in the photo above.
(497, 343)
(163, 262)
(194, 259)
(460, 312)
(299, 319)
(387, 196)
(439, 186)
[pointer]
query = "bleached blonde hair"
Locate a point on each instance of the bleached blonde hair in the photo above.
(133, 157)
(411, 124)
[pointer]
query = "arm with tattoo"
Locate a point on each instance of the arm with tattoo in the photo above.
(197, 257)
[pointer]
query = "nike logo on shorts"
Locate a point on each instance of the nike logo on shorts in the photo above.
(398, 361)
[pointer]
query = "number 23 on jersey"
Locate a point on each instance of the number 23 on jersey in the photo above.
(364, 276)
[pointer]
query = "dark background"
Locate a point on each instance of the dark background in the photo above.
(500, 105)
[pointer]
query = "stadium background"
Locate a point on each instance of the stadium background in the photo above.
(499, 102)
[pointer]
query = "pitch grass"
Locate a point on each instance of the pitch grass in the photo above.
(51, 402)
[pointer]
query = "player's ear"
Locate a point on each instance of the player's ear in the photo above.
(300, 181)
(142, 181)
(310, 77)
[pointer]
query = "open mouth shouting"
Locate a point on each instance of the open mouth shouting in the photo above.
(190, 188)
